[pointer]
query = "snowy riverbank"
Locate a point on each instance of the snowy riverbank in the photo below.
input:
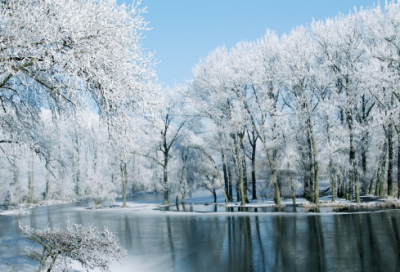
(259, 206)
(24, 208)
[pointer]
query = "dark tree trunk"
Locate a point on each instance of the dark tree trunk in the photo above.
(253, 170)
(253, 143)
(226, 180)
(364, 162)
(165, 168)
(398, 165)
(238, 198)
(31, 178)
(124, 176)
(378, 181)
(390, 161)
(339, 187)
(293, 192)
(245, 185)
(310, 171)
(332, 179)
(230, 183)
(352, 160)
(364, 138)
(382, 173)
(253, 180)
(244, 169)
(371, 184)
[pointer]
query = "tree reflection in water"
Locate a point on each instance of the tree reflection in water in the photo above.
(290, 243)
(237, 242)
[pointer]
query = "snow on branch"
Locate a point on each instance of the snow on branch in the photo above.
(87, 245)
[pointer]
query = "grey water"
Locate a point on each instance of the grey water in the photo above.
(254, 241)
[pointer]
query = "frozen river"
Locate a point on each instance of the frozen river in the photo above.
(178, 241)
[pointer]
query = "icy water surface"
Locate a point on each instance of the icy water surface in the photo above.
(218, 208)
(209, 241)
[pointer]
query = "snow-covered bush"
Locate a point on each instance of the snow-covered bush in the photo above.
(100, 192)
(87, 245)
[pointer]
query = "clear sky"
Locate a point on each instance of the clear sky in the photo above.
(183, 31)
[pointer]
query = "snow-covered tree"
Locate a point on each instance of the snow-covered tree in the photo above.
(88, 246)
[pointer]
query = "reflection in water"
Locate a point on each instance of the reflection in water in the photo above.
(220, 242)
(210, 208)
(171, 242)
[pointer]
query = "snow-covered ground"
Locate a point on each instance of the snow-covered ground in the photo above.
(201, 204)
(24, 208)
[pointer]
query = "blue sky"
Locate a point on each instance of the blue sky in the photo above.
(186, 30)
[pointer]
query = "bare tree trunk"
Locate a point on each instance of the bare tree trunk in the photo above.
(383, 168)
(353, 161)
(333, 189)
(180, 185)
(46, 197)
(242, 169)
(364, 140)
(95, 159)
(238, 198)
(31, 177)
(237, 189)
(239, 167)
(230, 182)
(339, 186)
(382, 180)
(378, 181)
(316, 168)
(86, 166)
(133, 174)
(242, 198)
(226, 180)
(16, 181)
(293, 191)
(333, 181)
(356, 179)
(78, 172)
(215, 196)
(398, 165)
(253, 175)
(390, 160)
(371, 184)
(253, 143)
(313, 148)
(310, 176)
(166, 192)
(124, 176)
(156, 173)
(277, 194)
(245, 185)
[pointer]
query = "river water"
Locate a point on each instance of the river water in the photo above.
(198, 241)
